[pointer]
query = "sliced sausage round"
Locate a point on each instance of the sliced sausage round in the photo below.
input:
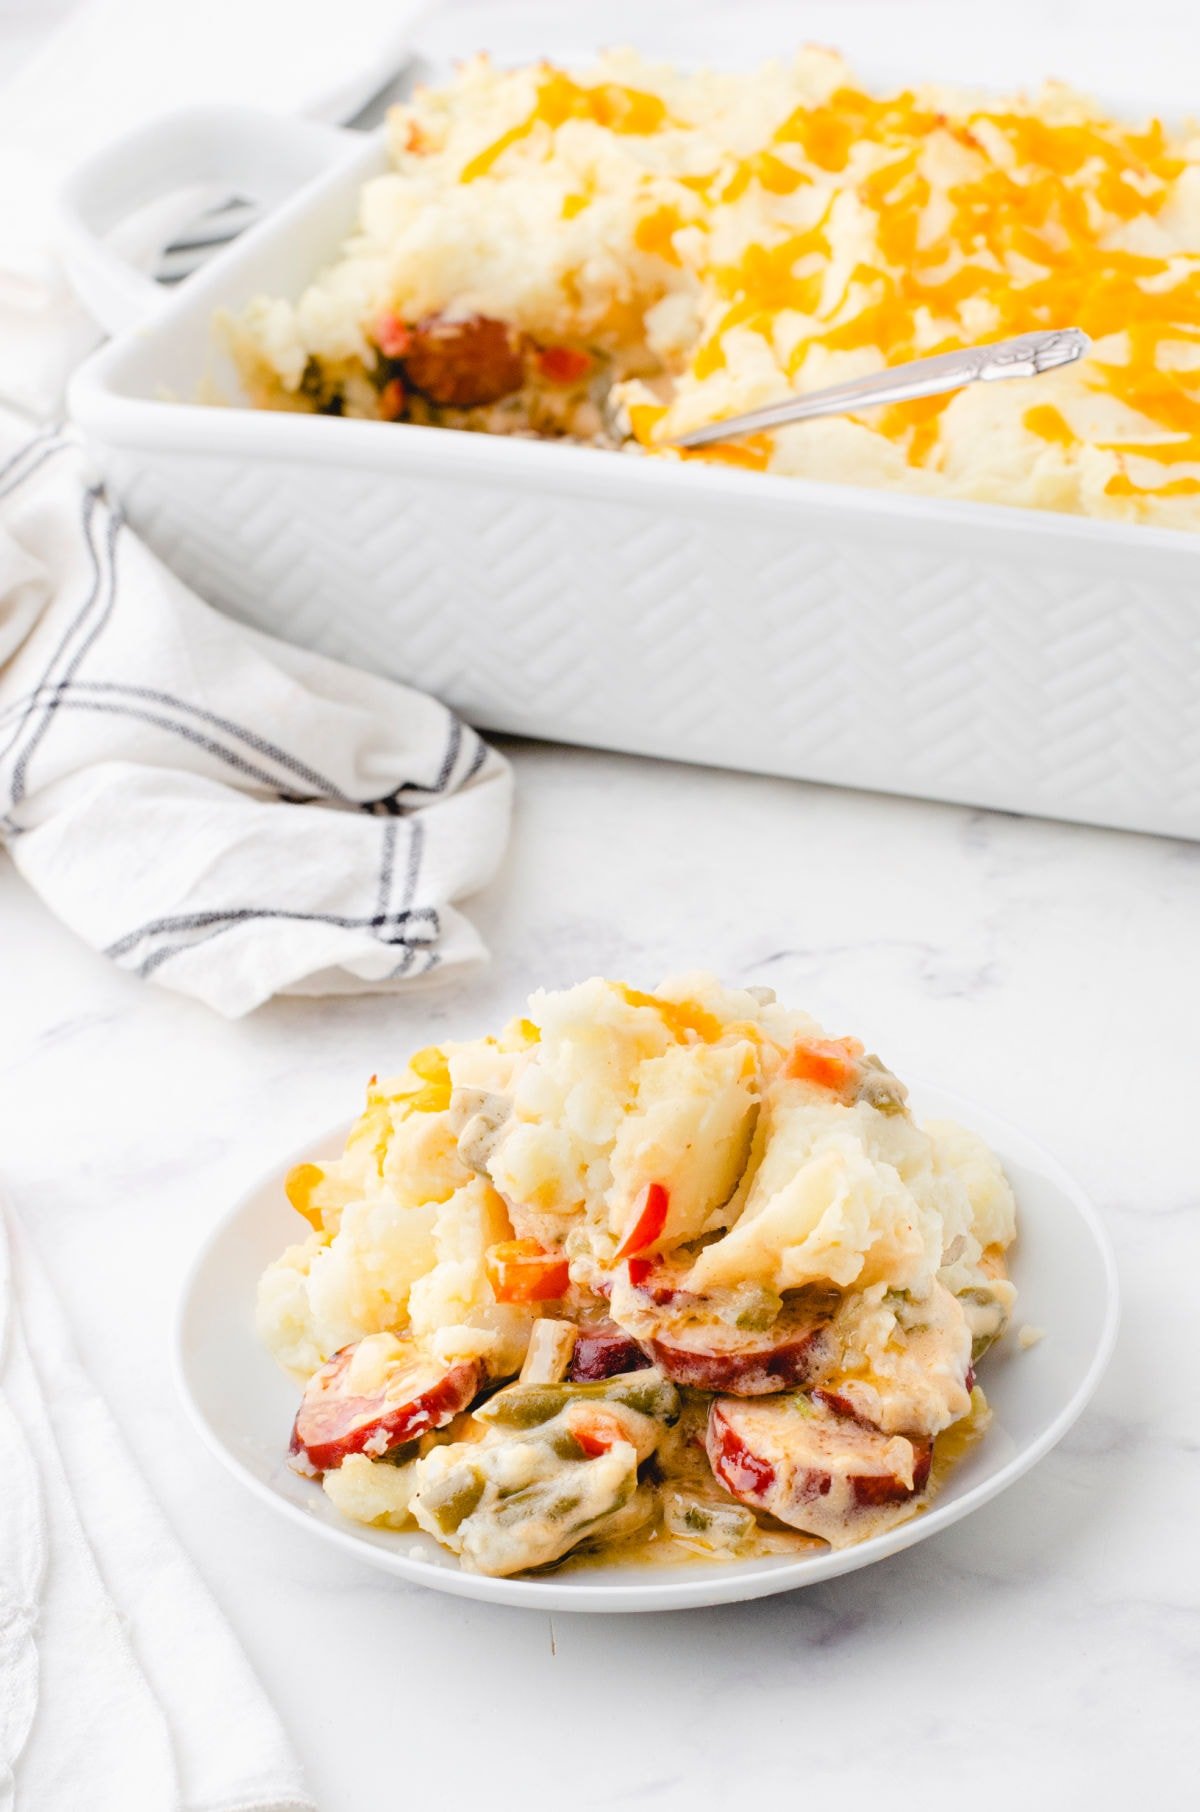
(604, 1350)
(810, 1467)
(661, 1281)
(463, 364)
(713, 1356)
(416, 1393)
(683, 1334)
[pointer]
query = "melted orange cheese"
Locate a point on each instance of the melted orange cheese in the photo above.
(747, 243)
(559, 99)
(1049, 424)
(1030, 230)
(680, 1017)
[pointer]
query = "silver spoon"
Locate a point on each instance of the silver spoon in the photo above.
(1027, 356)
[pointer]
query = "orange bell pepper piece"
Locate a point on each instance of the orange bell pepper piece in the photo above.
(830, 1063)
(519, 1270)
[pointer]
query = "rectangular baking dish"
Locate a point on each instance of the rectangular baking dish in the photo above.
(1000, 657)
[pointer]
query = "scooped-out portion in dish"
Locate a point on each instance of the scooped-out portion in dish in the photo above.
(663, 1276)
(621, 254)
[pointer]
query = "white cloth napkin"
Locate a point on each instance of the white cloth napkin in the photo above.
(111, 66)
(122, 1688)
(229, 815)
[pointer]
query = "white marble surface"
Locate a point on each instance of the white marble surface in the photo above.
(1048, 1646)
(1045, 1652)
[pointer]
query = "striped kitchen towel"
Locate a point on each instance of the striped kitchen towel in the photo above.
(221, 812)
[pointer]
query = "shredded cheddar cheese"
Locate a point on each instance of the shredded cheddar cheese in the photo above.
(717, 241)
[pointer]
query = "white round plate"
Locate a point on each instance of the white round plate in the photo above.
(1062, 1265)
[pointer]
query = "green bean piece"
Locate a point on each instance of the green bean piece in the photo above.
(881, 1089)
(761, 1310)
(400, 1456)
(529, 1405)
(561, 1507)
(452, 1501)
(523, 1405)
(649, 1394)
(530, 1502)
(705, 1519)
(564, 1446)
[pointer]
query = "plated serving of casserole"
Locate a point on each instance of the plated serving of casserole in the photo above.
(618, 255)
(664, 1276)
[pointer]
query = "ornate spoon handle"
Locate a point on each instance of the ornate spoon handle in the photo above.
(1027, 356)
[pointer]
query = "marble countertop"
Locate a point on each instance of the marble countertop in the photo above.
(1047, 1646)
(1045, 1651)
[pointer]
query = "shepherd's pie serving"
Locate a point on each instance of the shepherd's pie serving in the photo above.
(619, 255)
(671, 1275)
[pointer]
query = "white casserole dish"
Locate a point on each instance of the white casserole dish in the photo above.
(1001, 657)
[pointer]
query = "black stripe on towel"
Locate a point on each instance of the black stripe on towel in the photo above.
(248, 769)
(414, 928)
(98, 604)
(416, 848)
(477, 760)
(394, 801)
(421, 925)
(386, 865)
(43, 446)
(89, 506)
(320, 783)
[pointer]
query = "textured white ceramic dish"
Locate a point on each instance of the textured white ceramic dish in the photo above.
(1006, 658)
(243, 1406)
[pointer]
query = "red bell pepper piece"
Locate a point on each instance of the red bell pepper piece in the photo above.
(647, 1222)
(596, 1432)
(392, 336)
(562, 364)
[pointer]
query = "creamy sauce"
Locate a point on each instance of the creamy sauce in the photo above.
(655, 1546)
(954, 1443)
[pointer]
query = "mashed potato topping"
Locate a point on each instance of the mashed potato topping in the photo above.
(670, 1268)
(624, 253)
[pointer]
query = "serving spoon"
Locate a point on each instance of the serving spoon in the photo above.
(1028, 355)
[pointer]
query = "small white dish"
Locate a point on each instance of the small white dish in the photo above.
(1063, 1267)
